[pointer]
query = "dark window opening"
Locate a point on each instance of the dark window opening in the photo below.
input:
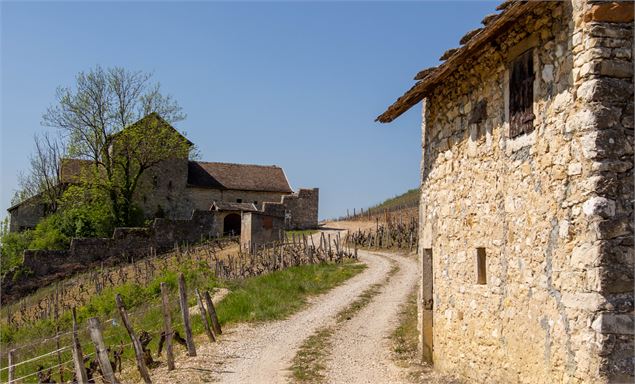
(170, 185)
(481, 266)
(256, 202)
(239, 200)
(521, 95)
(232, 225)
(155, 181)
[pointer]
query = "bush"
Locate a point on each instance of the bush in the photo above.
(13, 245)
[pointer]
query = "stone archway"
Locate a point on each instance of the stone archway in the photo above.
(232, 224)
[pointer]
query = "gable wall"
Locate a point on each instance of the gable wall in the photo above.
(535, 204)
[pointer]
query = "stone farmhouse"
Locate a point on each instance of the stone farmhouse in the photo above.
(176, 187)
(526, 212)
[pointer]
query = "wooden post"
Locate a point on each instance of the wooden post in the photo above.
(206, 321)
(101, 352)
(78, 356)
(212, 313)
(185, 311)
(11, 364)
(57, 331)
(138, 350)
(167, 326)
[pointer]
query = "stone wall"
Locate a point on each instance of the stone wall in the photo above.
(302, 209)
(26, 215)
(202, 198)
(258, 228)
(163, 190)
(126, 244)
(550, 212)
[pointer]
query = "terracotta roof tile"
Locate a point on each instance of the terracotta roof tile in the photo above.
(245, 177)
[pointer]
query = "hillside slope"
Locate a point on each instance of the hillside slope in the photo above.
(407, 199)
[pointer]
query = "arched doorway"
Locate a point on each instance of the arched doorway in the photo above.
(231, 224)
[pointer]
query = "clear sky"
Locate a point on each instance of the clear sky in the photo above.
(292, 84)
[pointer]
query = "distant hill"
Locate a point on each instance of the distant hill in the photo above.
(405, 200)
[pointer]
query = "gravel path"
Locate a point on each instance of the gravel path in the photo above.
(262, 353)
(361, 350)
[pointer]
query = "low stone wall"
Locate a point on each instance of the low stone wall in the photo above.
(44, 266)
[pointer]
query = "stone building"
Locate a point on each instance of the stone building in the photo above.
(176, 187)
(526, 211)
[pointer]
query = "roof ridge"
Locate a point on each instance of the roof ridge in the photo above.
(222, 162)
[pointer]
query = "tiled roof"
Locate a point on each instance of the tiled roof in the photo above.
(428, 79)
(229, 206)
(244, 177)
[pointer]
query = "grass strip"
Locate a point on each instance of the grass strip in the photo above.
(266, 297)
(277, 295)
(309, 363)
(405, 337)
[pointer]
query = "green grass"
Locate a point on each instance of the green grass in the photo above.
(266, 297)
(406, 336)
(309, 362)
(407, 199)
(277, 295)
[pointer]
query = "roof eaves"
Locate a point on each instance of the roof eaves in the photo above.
(493, 27)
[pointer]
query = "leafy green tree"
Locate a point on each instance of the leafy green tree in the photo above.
(120, 121)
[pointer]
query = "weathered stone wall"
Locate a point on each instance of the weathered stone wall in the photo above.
(26, 216)
(125, 244)
(605, 252)
(162, 189)
(258, 228)
(202, 198)
(302, 209)
(552, 209)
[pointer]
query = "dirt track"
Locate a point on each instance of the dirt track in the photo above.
(361, 350)
(262, 353)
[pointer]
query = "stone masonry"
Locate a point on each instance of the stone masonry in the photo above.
(301, 209)
(526, 246)
(176, 186)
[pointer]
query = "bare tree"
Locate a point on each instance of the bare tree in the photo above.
(101, 104)
(43, 176)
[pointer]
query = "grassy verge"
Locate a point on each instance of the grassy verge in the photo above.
(405, 337)
(278, 295)
(309, 362)
(266, 297)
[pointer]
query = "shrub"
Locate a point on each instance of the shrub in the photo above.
(13, 245)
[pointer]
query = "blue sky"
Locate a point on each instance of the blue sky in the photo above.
(292, 84)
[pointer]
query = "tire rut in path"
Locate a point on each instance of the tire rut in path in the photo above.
(361, 348)
(262, 353)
